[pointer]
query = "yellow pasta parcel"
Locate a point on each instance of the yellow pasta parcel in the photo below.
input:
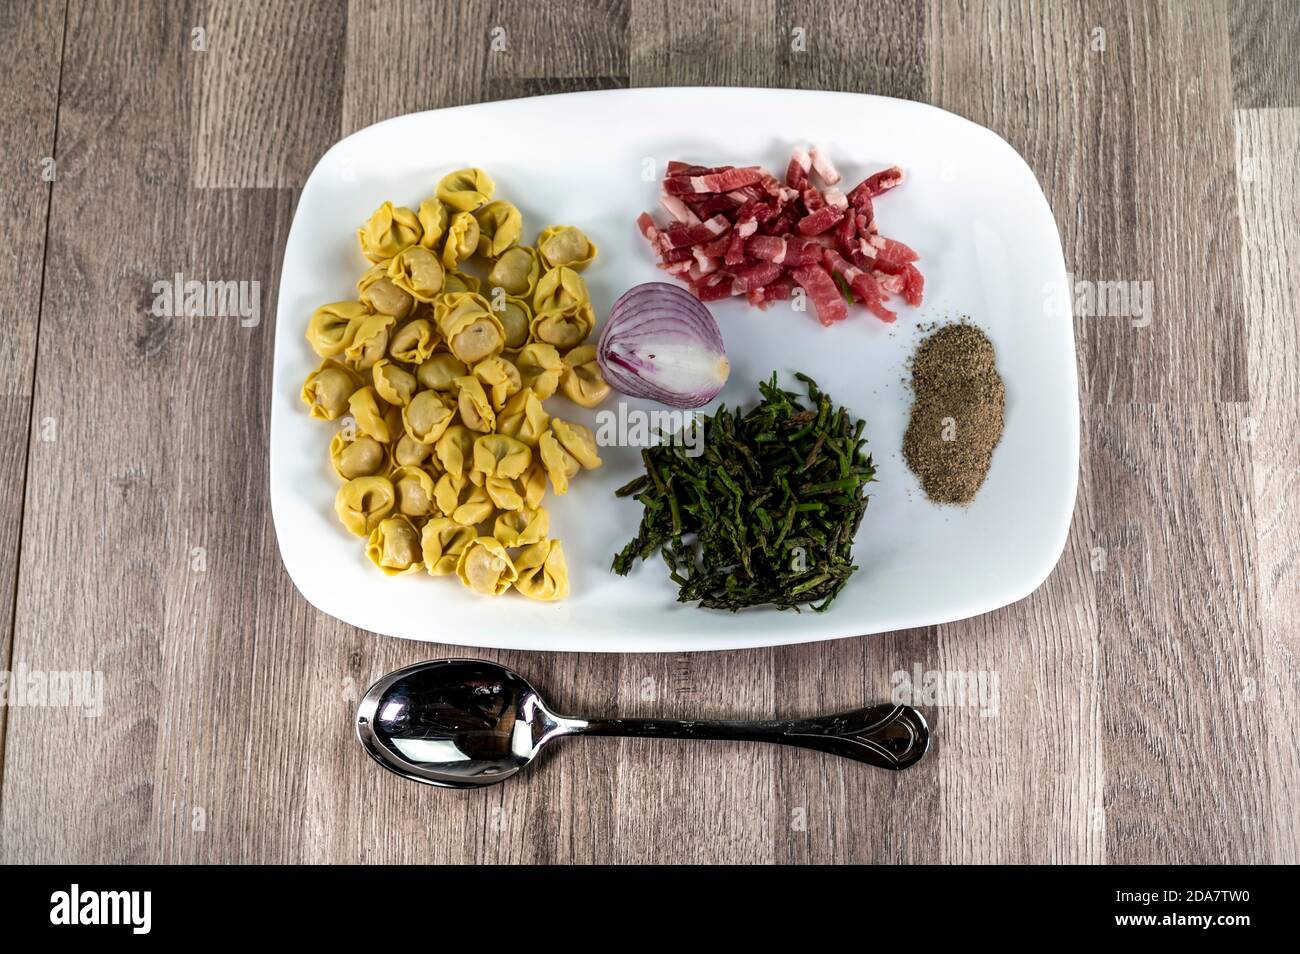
(516, 272)
(442, 541)
(328, 389)
(499, 227)
(564, 328)
(496, 455)
(394, 547)
(393, 383)
(500, 380)
(461, 241)
(414, 488)
(427, 417)
(432, 216)
(485, 567)
(357, 456)
(581, 381)
(542, 571)
(417, 271)
(471, 330)
(439, 371)
(333, 327)
(389, 230)
(523, 418)
(370, 342)
(363, 502)
(370, 412)
(566, 245)
(414, 342)
(519, 528)
(560, 288)
(465, 189)
(540, 368)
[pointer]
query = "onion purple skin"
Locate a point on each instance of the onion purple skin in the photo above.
(656, 317)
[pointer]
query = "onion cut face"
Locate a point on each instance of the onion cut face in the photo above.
(661, 343)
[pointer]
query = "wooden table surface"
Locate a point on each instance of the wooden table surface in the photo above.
(1149, 691)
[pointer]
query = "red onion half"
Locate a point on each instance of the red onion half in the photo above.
(661, 343)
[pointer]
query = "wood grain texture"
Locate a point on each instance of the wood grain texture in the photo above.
(1268, 168)
(1265, 69)
(1156, 661)
(257, 60)
(31, 43)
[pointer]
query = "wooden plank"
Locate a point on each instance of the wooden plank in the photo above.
(402, 57)
(1103, 117)
(263, 60)
(79, 788)
(31, 44)
(853, 45)
(1268, 143)
(677, 43)
(1265, 69)
(1184, 742)
(1026, 785)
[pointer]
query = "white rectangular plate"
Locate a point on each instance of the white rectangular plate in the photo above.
(989, 250)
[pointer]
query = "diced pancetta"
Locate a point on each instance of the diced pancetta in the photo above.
(678, 209)
(822, 165)
(825, 294)
(741, 231)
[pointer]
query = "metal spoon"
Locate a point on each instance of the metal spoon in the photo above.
(465, 723)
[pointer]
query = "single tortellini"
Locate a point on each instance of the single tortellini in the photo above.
(334, 326)
(417, 271)
(426, 418)
(540, 368)
(414, 342)
(440, 370)
(441, 542)
(542, 572)
(523, 418)
(393, 383)
(505, 493)
(465, 502)
(485, 567)
(500, 379)
(581, 381)
(461, 241)
(455, 450)
(578, 440)
(499, 227)
(476, 410)
(415, 488)
(496, 455)
(357, 456)
(327, 389)
(432, 215)
(560, 288)
(371, 414)
(407, 452)
(388, 231)
(516, 272)
(379, 293)
(465, 189)
(516, 318)
(459, 282)
(471, 330)
(363, 502)
(565, 245)
(519, 528)
(561, 466)
(370, 342)
(394, 546)
(564, 328)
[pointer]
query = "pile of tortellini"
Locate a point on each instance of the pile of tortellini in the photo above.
(439, 378)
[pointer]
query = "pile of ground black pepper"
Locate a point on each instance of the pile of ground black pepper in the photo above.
(956, 413)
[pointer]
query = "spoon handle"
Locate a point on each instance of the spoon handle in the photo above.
(891, 737)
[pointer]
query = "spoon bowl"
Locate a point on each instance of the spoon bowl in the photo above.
(467, 723)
